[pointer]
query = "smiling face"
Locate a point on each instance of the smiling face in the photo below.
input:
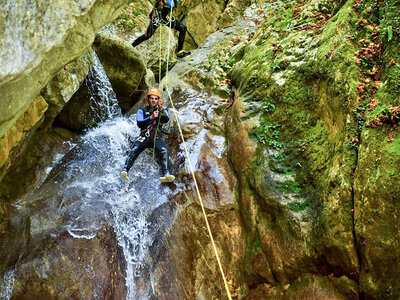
(153, 100)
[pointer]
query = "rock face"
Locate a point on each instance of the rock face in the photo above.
(314, 219)
(124, 67)
(22, 127)
(51, 35)
(203, 18)
(65, 269)
(65, 83)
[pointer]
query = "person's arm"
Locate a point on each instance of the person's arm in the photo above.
(164, 116)
(158, 5)
(141, 120)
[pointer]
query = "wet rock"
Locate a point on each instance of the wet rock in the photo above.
(124, 67)
(47, 38)
(65, 83)
(20, 130)
(29, 162)
(64, 268)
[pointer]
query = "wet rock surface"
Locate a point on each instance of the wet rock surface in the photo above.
(50, 36)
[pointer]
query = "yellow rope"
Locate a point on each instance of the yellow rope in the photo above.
(190, 165)
(201, 202)
(159, 67)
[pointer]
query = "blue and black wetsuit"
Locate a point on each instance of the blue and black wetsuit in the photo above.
(147, 135)
(160, 15)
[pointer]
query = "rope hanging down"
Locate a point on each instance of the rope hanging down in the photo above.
(190, 163)
(201, 201)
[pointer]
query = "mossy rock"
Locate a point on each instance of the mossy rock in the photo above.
(124, 67)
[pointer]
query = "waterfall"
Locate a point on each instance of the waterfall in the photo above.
(8, 283)
(103, 100)
(84, 189)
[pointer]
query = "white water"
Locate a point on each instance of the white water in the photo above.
(104, 197)
(103, 100)
(7, 286)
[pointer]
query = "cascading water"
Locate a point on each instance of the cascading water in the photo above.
(84, 190)
(103, 100)
(7, 287)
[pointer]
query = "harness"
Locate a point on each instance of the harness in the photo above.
(157, 18)
(146, 132)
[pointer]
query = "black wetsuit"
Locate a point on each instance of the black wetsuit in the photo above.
(147, 134)
(160, 15)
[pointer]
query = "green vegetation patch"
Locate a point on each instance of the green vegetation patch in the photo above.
(298, 206)
(290, 186)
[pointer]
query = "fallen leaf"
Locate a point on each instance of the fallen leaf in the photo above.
(365, 22)
(360, 88)
(369, 9)
(390, 138)
(392, 62)
(376, 85)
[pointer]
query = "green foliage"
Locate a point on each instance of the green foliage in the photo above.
(138, 12)
(297, 206)
(280, 65)
(123, 17)
(290, 186)
(281, 18)
(269, 107)
(390, 32)
(267, 133)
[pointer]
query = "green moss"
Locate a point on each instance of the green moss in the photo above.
(298, 206)
(138, 12)
(393, 147)
(289, 187)
(252, 248)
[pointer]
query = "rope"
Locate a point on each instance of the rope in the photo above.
(201, 202)
(190, 163)
(159, 57)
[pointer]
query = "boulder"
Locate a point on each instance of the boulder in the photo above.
(65, 83)
(21, 128)
(47, 38)
(124, 67)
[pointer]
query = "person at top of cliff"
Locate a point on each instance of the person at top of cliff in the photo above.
(149, 120)
(161, 15)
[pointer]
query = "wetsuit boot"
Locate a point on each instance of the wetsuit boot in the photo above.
(124, 175)
(182, 53)
(166, 176)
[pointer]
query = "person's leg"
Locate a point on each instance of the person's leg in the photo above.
(181, 28)
(162, 153)
(138, 148)
(149, 33)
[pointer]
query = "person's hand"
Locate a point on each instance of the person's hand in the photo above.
(154, 115)
(160, 103)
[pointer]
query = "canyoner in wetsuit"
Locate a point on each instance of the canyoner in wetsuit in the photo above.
(149, 120)
(160, 15)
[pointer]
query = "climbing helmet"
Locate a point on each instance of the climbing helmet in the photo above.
(153, 92)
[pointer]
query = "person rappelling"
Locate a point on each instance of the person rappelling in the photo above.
(160, 15)
(149, 120)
